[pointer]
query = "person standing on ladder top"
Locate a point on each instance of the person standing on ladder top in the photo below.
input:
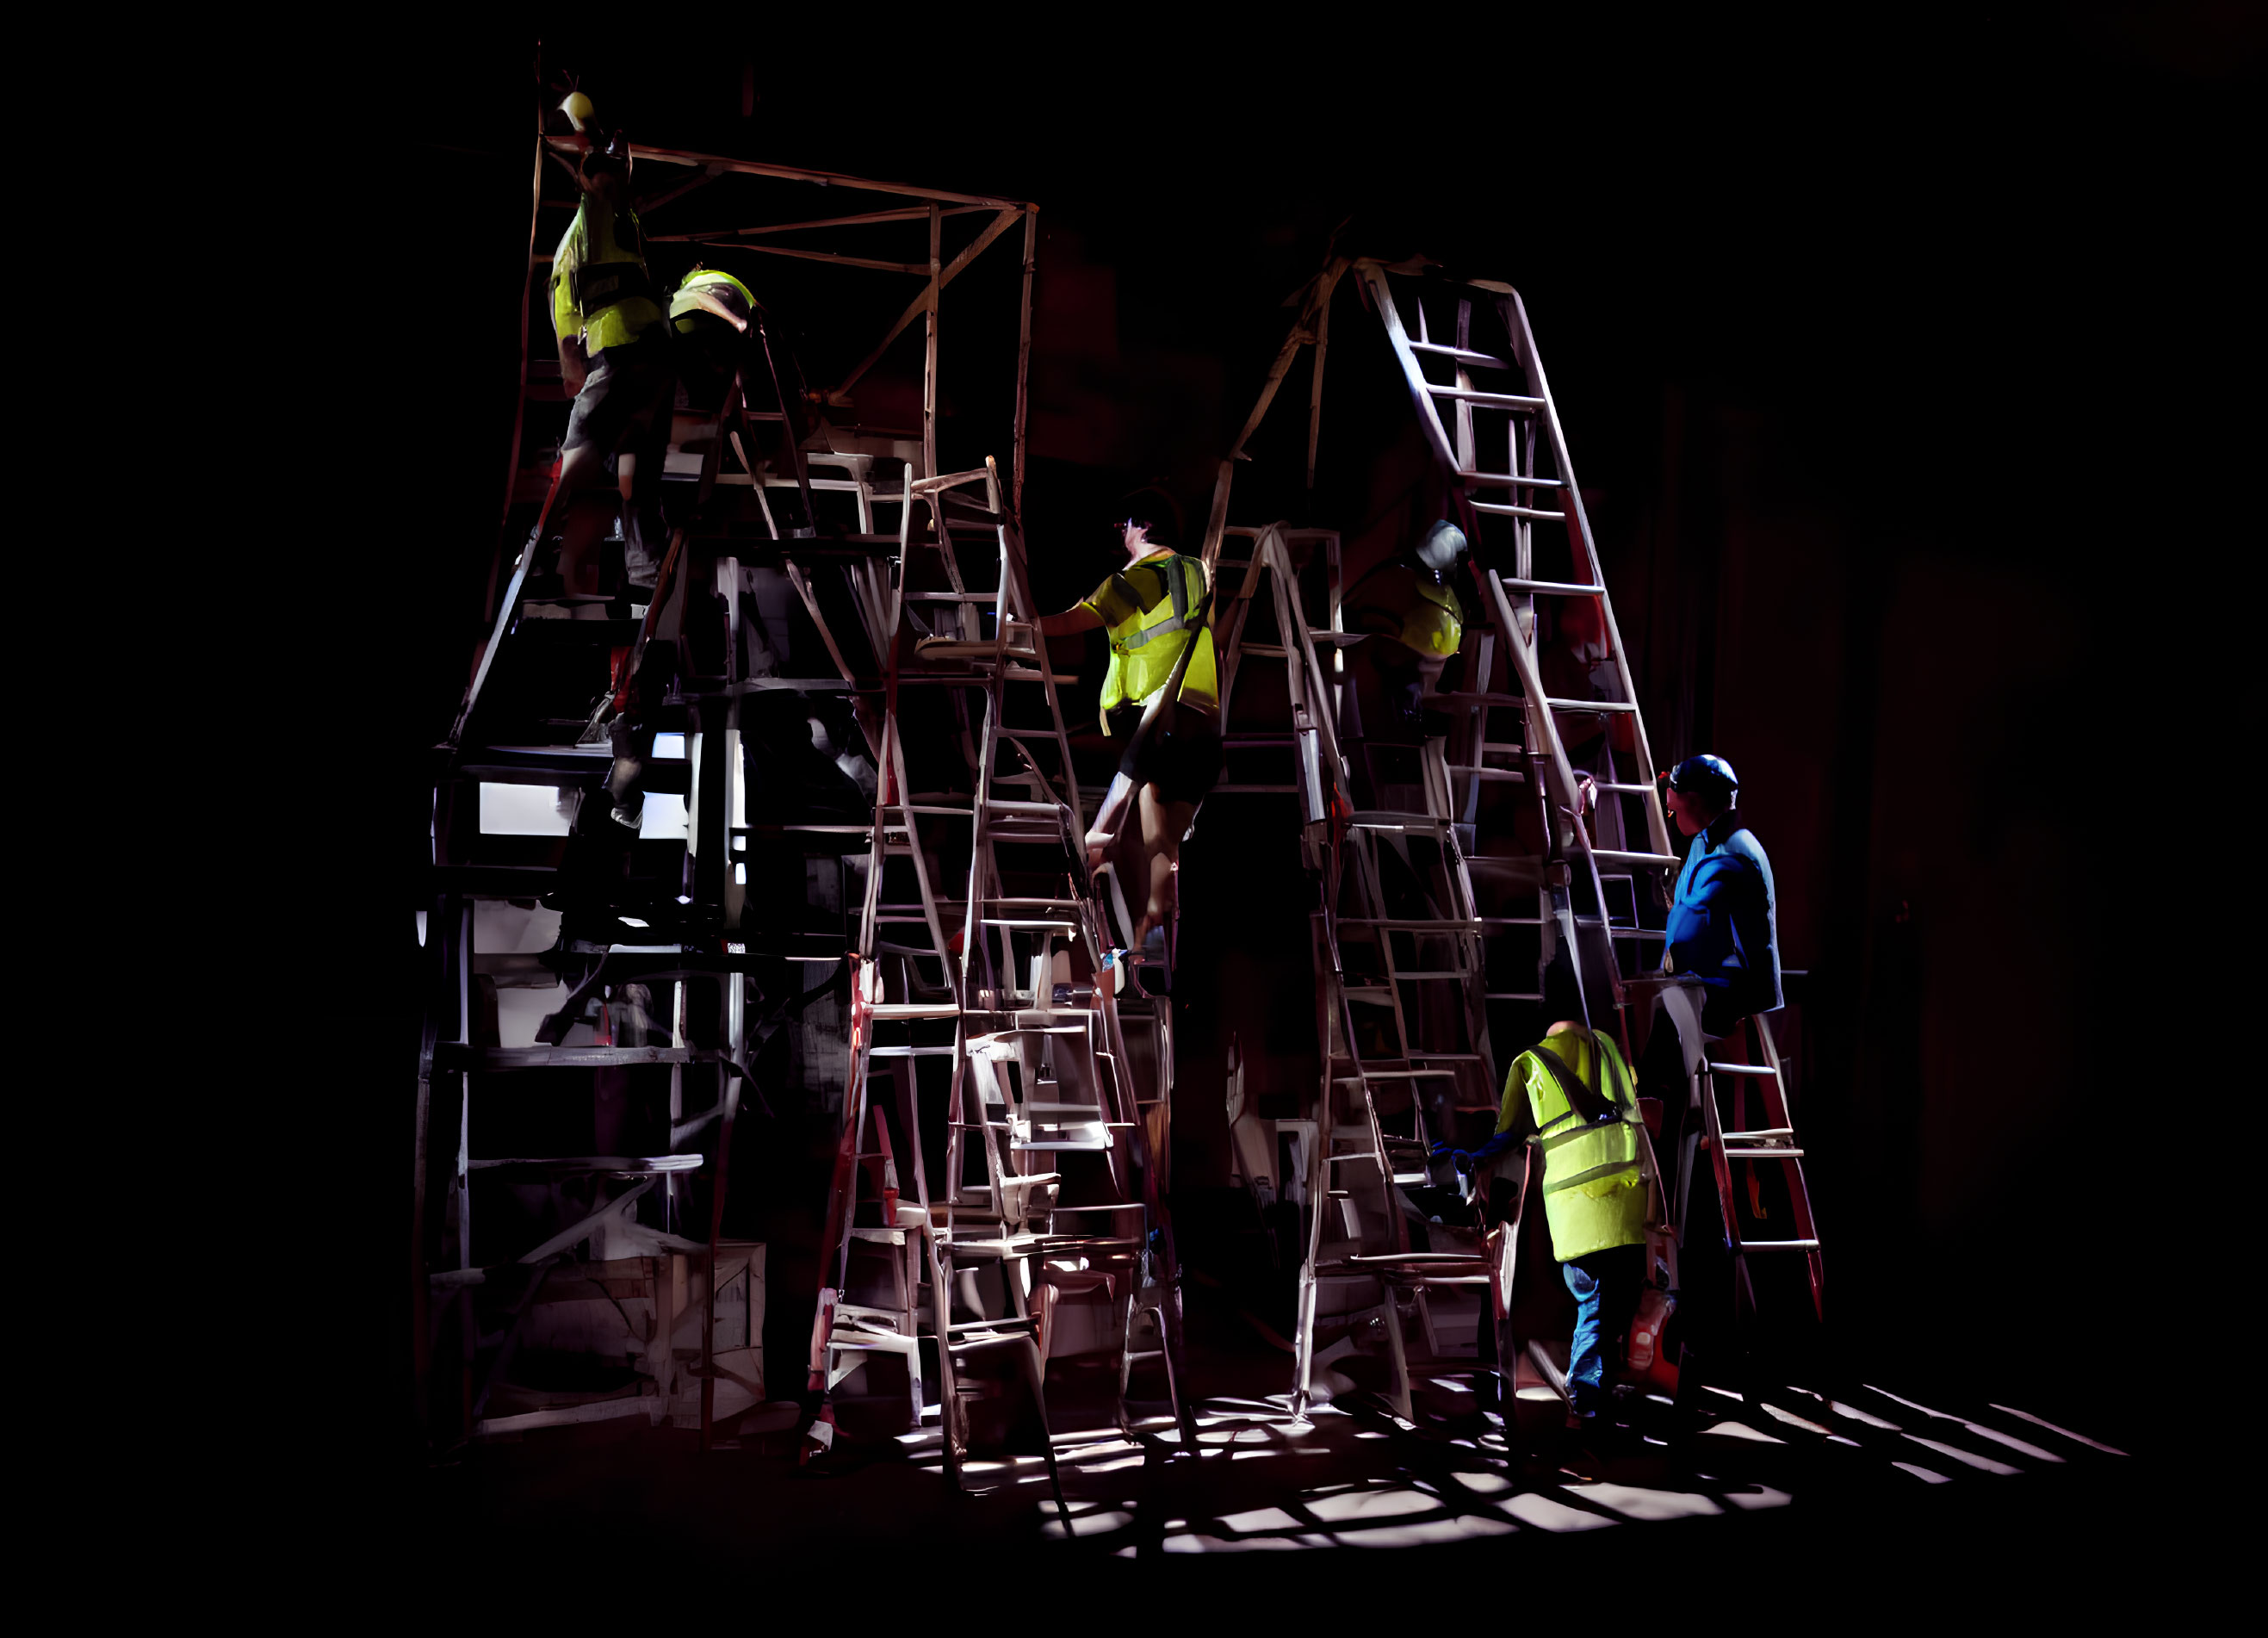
(1411, 601)
(1162, 696)
(614, 356)
(1572, 1096)
(1722, 928)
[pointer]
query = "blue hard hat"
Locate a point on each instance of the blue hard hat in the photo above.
(1706, 774)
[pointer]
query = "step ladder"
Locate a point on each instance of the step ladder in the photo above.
(707, 1049)
(684, 972)
(1602, 881)
(981, 941)
(1401, 983)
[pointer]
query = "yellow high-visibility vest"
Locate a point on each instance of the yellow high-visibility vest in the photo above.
(599, 285)
(1397, 602)
(1595, 1188)
(1152, 608)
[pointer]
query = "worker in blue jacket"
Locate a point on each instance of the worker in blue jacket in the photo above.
(1721, 927)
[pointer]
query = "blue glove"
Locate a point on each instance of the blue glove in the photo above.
(1467, 1160)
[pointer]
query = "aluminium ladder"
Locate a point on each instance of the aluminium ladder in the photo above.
(1597, 893)
(1052, 1139)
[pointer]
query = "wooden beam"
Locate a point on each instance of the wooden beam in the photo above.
(668, 194)
(793, 173)
(920, 303)
(828, 255)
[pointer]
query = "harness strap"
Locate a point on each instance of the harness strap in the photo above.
(1584, 1105)
(1182, 618)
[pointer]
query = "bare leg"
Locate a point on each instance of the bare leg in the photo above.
(1164, 823)
(585, 517)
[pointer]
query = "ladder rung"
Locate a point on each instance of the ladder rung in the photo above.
(1617, 857)
(1764, 1153)
(1407, 925)
(1494, 509)
(1462, 355)
(1776, 1245)
(1489, 401)
(1527, 480)
(1770, 1134)
(1511, 995)
(1599, 705)
(1740, 1069)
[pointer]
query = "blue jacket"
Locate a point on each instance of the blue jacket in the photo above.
(1722, 928)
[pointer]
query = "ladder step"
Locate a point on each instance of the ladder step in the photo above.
(1525, 481)
(1460, 354)
(1494, 509)
(1763, 1153)
(1775, 1245)
(1489, 401)
(1742, 1069)
(1409, 925)
(1614, 857)
(1770, 1134)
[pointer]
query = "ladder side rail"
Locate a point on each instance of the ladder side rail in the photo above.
(912, 826)
(728, 1090)
(1555, 760)
(1429, 419)
(1579, 526)
(980, 841)
(1779, 1114)
(1155, 1219)
(1012, 560)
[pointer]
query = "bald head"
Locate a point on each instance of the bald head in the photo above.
(1562, 1026)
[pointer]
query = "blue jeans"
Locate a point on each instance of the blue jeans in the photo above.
(1606, 1286)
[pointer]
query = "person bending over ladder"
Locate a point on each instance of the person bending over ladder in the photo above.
(1162, 696)
(1572, 1095)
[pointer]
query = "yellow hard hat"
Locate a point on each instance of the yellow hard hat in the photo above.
(576, 108)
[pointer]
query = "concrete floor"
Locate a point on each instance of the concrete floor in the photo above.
(1847, 1487)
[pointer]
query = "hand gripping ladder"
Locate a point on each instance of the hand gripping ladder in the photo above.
(1055, 1115)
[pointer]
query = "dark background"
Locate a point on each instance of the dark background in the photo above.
(1900, 364)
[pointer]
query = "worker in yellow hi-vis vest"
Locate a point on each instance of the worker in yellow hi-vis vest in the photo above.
(1162, 696)
(1572, 1095)
(614, 356)
(1410, 608)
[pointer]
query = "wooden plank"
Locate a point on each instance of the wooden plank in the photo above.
(838, 260)
(564, 144)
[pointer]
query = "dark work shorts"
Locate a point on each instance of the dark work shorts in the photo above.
(706, 355)
(624, 405)
(1183, 762)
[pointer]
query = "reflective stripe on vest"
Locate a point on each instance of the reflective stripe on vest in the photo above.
(597, 285)
(601, 267)
(1595, 1192)
(1138, 630)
